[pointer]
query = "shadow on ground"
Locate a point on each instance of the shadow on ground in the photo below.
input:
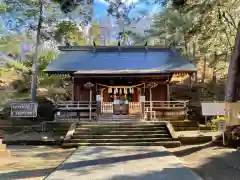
(113, 160)
(191, 150)
(165, 174)
(219, 167)
(103, 162)
(215, 166)
(224, 167)
(32, 162)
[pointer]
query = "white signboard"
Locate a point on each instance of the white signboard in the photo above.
(24, 109)
(116, 101)
(213, 108)
(222, 126)
(98, 98)
(142, 98)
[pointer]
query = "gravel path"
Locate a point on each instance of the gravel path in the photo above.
(211, 162)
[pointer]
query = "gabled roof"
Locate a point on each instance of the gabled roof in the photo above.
(123, 60)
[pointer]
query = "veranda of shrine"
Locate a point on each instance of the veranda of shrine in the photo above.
(114, 81)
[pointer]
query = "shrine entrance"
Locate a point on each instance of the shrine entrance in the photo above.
(121, 100)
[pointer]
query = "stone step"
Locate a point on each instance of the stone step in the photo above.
(120, 128)
(119, 125)
(119, 116)
(167, 144)
(111, 132)
(118, 120)
(117, 140)
(122, 136)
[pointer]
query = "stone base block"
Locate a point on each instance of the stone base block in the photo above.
(2, 147)
(5, 154)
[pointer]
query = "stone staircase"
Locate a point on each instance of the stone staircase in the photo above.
(118, 118)
(123, 133)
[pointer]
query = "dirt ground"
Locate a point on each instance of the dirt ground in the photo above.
(31, 162)
(36, 162)
(210, 162)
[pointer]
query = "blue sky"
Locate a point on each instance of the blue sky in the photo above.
(100, 7)
(100, 12)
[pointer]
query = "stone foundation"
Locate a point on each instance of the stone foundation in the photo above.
(3, 148)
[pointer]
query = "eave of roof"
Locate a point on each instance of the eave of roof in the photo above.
(113, 48)
(89, 60)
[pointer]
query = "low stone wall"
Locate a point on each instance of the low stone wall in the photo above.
(3, 149)
(194, 140)
(174, 114)
(185, 125)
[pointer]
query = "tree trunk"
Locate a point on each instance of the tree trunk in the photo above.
(204, 69)
(233, 82)
(186, 47)
(233, 86)
(35, 59)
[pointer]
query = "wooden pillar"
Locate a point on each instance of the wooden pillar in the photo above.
(89, 86)
(196, 77)
(98, 99)
(90, 104)
(142, 93)
(190, 81)
(150, 93)
(73, 91)
(168, 92)
(150, 86)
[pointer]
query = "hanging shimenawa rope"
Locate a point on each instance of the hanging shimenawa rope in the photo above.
(128, 87)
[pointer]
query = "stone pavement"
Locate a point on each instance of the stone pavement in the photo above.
(122, 163)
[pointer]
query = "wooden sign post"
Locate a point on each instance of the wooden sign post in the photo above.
(222, 129)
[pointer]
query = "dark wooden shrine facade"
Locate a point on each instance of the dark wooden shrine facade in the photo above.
(159, 93)
(137, 77)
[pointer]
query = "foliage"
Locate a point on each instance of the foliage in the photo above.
(68, 29)
(203, 30)
(235, 133)
(215, 122)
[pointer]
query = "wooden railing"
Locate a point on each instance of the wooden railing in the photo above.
(75, 110)
(166, 104)
(165, 110)
(107, 107)
(134, 107)
(76, 105)
(79, 110)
